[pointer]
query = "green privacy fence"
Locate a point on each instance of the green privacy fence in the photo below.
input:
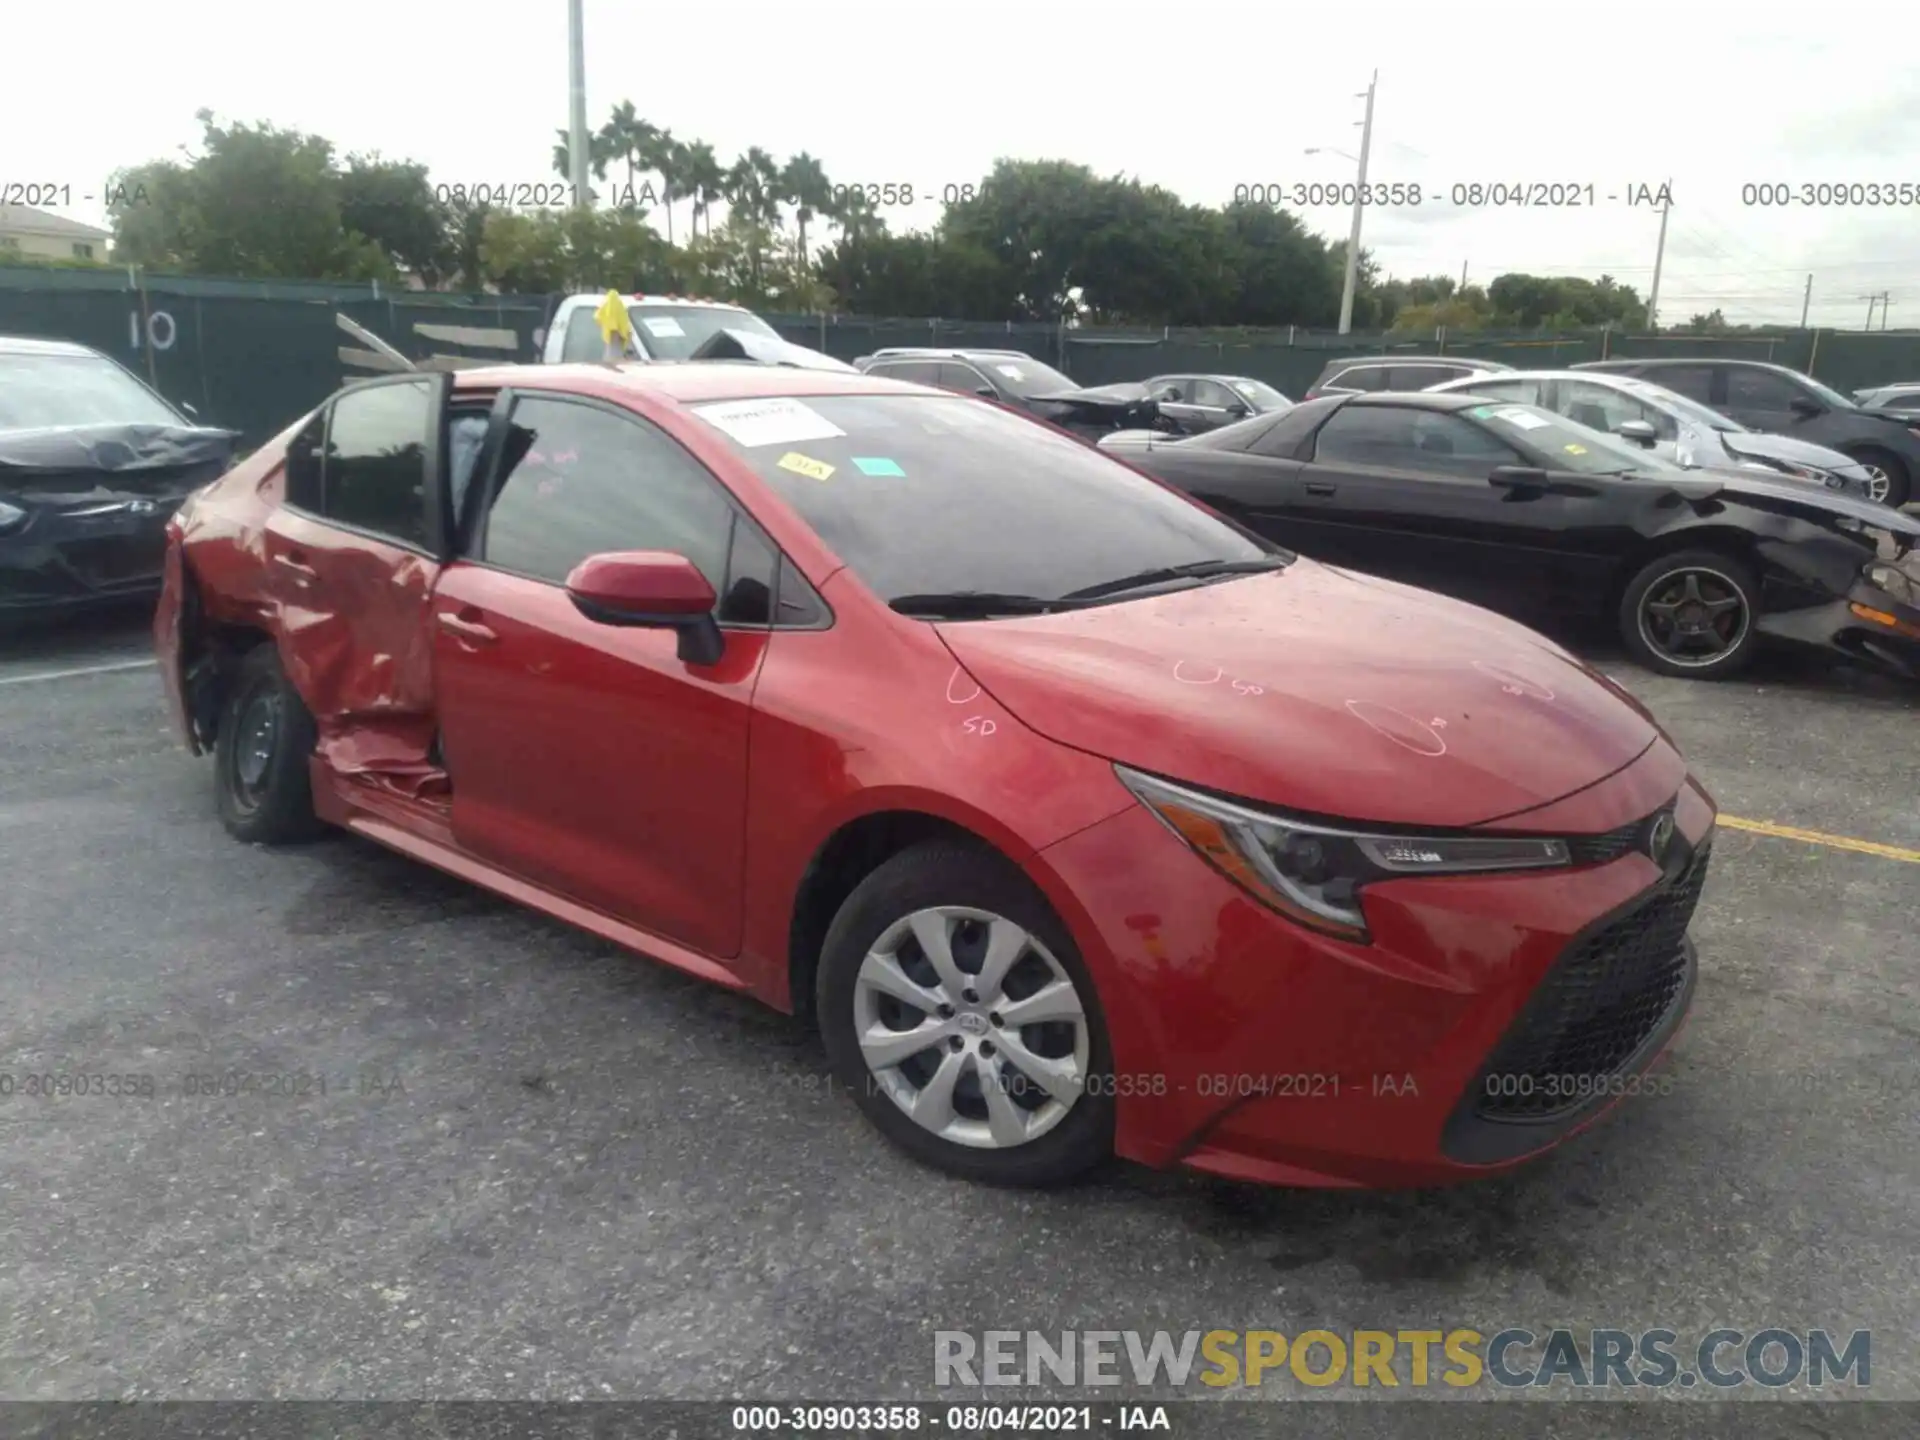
(256, 355)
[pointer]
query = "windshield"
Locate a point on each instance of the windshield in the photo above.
(42, 391)
(923, 494)
(1259, 395)
(1692, 409)
(1560, 444)
(674, 332)
(1025, 377)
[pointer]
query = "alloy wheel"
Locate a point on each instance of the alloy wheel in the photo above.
(1879, 483)
(971, 1027)
(1694, 617)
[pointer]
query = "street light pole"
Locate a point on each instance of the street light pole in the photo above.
(1659, 259)
(1359, 197)
(577, 141)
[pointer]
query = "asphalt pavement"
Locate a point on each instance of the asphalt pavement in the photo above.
(543, 1168)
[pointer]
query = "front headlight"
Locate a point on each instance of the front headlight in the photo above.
(10, 516)
(1897, 583)
(1313, 873)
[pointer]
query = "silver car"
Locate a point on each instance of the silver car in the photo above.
(1904, 396)
(1677, 429)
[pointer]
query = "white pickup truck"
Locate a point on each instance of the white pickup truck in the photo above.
(674, 328)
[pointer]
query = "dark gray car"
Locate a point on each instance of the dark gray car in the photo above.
(1198, 403)
(1785, 402)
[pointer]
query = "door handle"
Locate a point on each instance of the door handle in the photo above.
(1320, 488)
(300, 570)
(468, 632)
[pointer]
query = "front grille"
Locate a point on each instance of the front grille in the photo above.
(1604, 849)
(1598, 1004)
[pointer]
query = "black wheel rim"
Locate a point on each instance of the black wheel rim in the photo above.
(256, 734)
(1694, 617)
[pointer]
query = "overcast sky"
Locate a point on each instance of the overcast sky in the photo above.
(1706, 97)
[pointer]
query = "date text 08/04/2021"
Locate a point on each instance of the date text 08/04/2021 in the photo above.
(906, 1419)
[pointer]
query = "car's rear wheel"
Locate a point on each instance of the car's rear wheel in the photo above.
(954, 1007)
(1888, 479)
(261, 756)
(1692, 613)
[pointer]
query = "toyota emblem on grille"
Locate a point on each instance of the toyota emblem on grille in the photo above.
(1660, 838)
(141, 507)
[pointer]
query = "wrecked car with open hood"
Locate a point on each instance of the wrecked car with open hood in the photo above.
(92, 465)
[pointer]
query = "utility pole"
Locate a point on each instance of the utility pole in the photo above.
(1886, 304)
(1659, 259)
(1872, 300)
(1806, 303)
(1463, 276)
(577, 141)
(1359, 197)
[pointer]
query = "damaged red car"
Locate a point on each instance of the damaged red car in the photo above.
(1080, 820)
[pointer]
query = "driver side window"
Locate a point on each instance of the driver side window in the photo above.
(1405, 438)
(1599, 408)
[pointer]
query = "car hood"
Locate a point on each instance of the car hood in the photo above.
(1126, 406)
(1784, 492)
(766, 350)
(1784, 447)
(1316, 691)
(112, 448)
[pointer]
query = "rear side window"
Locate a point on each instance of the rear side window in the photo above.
(375, 469)
(1418, 377)
(916, 372)
(1359, 377)
(1693, 381)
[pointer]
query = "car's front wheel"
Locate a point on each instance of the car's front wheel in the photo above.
(1692, 613)
(1888, 480)
(261, 755)
(954, 1007)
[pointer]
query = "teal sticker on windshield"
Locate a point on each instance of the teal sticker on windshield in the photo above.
(1481, 412)
(870, 465)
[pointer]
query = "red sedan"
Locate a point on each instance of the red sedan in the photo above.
(1081, 820)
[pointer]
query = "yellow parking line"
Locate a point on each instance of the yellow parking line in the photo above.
(1820, 837)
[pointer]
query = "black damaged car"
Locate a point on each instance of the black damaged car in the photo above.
(1520, 510)
(1016, 379)
(92, 464)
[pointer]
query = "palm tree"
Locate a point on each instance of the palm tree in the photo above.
(703, 180)
(628, 138)
(804, 186)
(857, 218)
(753, 202)
(563, 158)
(666, 157)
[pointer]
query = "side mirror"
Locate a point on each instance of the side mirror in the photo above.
(651, 589)
(1806, 407)
(1640, 432)
(986, 392)
(1238, 410)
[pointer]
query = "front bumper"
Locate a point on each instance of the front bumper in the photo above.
(62, 561)
(1248, 1047)
(1866, 625)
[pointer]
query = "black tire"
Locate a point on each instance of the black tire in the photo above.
(952, 873)
(265, 789)
(1899, 476)
(1717, 576)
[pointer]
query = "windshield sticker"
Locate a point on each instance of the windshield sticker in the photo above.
(1481, 412)
(754, 423)
(666, 327)
(805, 465)
(1574, 449)
(1524, 419)
(1012, 372)
(878, 465)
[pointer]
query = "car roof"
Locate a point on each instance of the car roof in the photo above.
(1422, 399)
(1596, 376)
(689, 384)
(600, 295)
(1466, 360)
(926, 352)
(29, 345)
(1665, 362)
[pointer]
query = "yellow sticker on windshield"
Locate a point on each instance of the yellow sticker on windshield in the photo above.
(1574, 449)
(805, 465)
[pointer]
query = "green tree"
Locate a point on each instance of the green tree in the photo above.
(804, 185)
(257, 202)
(597, 159)
(703, 181)
(392, 204)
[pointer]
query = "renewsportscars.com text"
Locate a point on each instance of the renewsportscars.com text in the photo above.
(1415, 1359)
